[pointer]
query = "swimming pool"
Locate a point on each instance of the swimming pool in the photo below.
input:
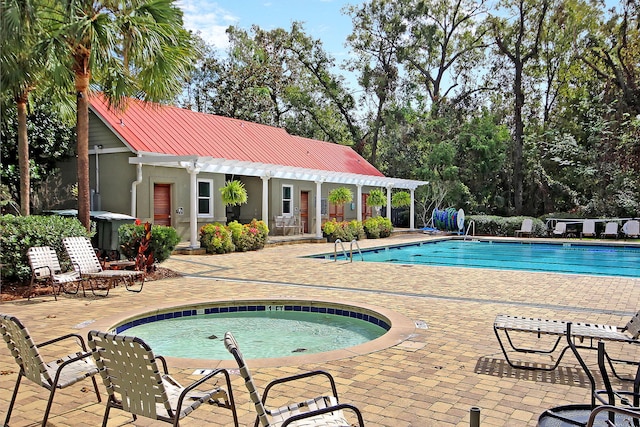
(573, 258)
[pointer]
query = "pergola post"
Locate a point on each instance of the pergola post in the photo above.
(319, 208)
(359, 202)
(193, 170)
(265, 198)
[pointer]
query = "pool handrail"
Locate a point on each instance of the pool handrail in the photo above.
(351, 250)
(471, 226)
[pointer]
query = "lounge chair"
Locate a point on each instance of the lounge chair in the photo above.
(619, 406)
(136, 385)
(588, 228)
(320, 411)
(45, 267)
(581, 332)
(59, 373)
(631, 228)
(578, 336)
(610, 230)
(84, 260)
(560, 230)
(525, 228)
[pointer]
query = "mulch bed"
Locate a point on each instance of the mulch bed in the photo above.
(11, 291)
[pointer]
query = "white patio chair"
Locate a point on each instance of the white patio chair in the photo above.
(59, 373)
(631, 228)
(135, 384)
(84, 260)
(588, 228)
(610, 230)
(45, 267)
(525, 228)
(319, 411)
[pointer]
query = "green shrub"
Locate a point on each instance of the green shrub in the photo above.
(377, 227)
(259, 231)
(356, 230)
(18, 234)
(248, 237)
(216, 239)
(163, 240)
(491, 225)
(345, 231)
(236, 230)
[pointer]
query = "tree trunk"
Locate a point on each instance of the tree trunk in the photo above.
(82, 131)
(23, 155)
(518, 175)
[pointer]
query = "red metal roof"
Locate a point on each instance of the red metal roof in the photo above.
(154, 128)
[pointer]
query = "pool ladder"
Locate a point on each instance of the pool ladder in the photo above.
(471, 226)
(335, 250)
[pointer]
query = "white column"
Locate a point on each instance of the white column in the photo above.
(412, 209)
(319, 209)
(265, 198)
(193, 170)
(359, 202)
(389, 187)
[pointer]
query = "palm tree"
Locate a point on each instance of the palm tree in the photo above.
(135, 48)
(19, 66)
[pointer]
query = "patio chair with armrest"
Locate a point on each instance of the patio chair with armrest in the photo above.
(85, 261)
(318, 411)
(619, 407)
(525, 228)
(135, 384)
(45, 267)
(59, 373)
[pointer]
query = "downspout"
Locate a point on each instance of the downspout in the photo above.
(134, 191)
(96, 203)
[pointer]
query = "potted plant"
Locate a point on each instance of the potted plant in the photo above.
(377, 199)
(233, 193)
(340, 196)
(401, 199)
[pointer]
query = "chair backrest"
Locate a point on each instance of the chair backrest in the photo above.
(128, 368)
(527, 225)
(232, 346)
(633, 326)
(24, 350)
(589, 226)
(43, 261)
(631, 228)
(279, 221)
(561, 227)
(611, 228)
(82, 255)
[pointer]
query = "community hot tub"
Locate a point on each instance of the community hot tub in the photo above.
(271, 332)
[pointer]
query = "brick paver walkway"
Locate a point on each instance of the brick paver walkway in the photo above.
(431, 379)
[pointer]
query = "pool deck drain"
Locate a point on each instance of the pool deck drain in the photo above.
(429, 379)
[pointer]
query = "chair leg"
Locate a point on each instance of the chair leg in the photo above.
(13, 399)
(46, 411)
(106, 413)
(95, 387)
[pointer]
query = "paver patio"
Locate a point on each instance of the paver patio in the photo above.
(431, 379)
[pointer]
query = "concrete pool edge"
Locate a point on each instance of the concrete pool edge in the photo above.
(402, 328)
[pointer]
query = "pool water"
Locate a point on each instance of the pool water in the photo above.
(260, 334)
(599, 260)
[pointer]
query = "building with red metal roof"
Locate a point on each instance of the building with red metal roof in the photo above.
(173, 161)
